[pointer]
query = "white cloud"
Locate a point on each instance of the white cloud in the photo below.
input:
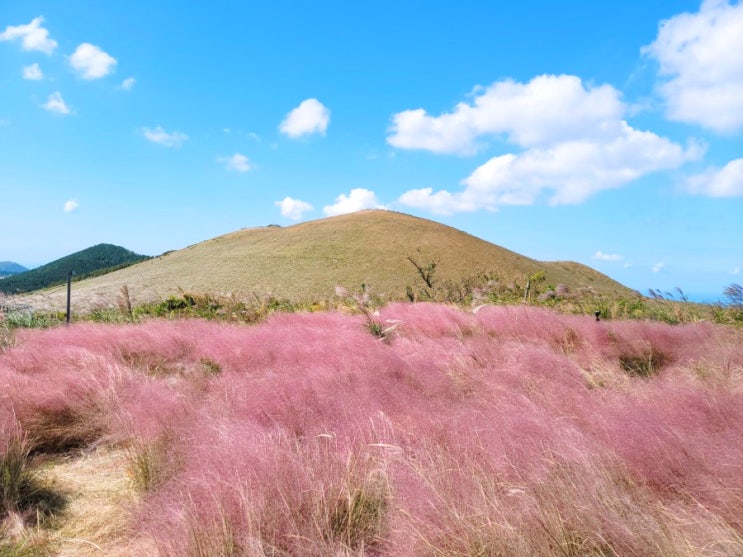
(33, 36)
(128, 84)
(236, 162)
(607, 256)
(33, 72)
(160, 136)
(700, 58)
(571, 171)
(735, 271)
(658, 266)
(441, 203)
(71, 206)
(293, 208)
(548, 109)
(55, 103)
(309, 117)
(91, 62)
(724, 182)
(573, 143)
(357, 200)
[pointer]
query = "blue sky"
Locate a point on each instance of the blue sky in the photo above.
(609, 133)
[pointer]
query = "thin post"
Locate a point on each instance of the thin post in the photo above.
(69, 295)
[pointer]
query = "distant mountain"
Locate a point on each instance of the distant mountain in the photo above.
(90, 262)
(8, 268)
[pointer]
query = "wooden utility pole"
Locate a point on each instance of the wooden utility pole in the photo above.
(69, 295)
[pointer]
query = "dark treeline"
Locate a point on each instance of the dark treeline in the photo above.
(93, 261)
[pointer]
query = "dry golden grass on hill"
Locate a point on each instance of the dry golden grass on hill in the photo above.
(304, 262)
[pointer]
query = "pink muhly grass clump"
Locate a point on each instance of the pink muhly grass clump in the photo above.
(60, 398)
(428, 320)
(682, 441)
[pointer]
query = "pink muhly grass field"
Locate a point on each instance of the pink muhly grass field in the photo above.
(511, 431)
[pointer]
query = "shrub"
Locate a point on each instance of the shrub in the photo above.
(644, 364)
(20, 490)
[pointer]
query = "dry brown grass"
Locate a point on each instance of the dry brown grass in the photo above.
(304, 262)
(100, 495)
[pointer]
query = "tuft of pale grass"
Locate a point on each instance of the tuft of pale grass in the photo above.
(100, 500)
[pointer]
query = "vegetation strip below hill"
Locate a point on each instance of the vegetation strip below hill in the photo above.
(511, 430)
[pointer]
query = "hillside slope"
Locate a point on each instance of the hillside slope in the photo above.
(306, 261)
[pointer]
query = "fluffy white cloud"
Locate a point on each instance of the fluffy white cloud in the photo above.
(160, 136)
(70, 206)
(548, 109)
(128, 84)
(571, 172)
(237, 162)
(658, 267)
(91, 62)
(724, 182)
(33, 36)
(293, 208)
(55, 103)
(33, 72)
(700, 58)
(573, 143)
(311, 116)
(356, 200)
(607, 256)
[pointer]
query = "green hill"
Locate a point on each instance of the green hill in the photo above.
(305, 262)
(87, 263)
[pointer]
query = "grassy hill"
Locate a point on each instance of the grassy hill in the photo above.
(89, 262)
(306, 261)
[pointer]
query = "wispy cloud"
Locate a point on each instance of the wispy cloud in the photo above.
(293, 208)
(719, 182)
(311, 116)
(356, 200)
(56, 104)
(32, 35)
(33, 72)
(607, 256)
(237, 162)
(90, 62)
(735, 271)
(71, 206)
(160, 136)
(658, 266)
(128, 84)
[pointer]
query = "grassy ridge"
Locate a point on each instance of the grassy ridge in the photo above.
(305, 262)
